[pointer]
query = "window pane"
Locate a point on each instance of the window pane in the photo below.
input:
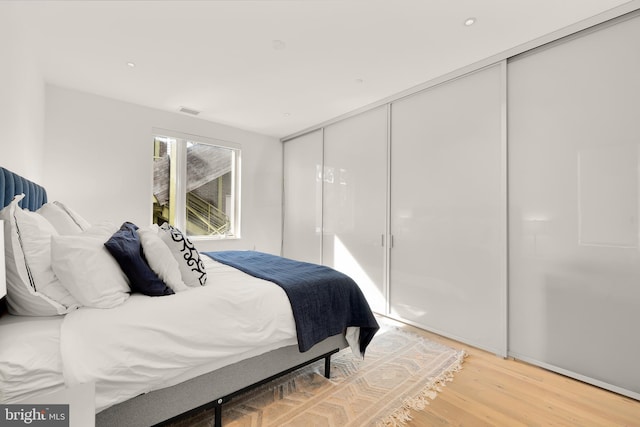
(210, 190)
(162, 147)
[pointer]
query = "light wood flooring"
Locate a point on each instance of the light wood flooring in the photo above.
(492, 391)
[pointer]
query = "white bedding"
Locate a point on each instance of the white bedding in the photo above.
(147, 343)
(153, 342)
(30, 362)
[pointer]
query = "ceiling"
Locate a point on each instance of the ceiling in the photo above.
(276, 67)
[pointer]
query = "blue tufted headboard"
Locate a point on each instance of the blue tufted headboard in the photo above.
(12, 184)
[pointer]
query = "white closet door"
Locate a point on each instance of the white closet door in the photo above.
(302, 230)
(448, 204)
(355, 200)
(574, 196)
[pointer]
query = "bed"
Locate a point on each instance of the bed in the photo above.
(192, 337)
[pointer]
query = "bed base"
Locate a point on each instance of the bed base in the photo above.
(170, 404)
(216, 404)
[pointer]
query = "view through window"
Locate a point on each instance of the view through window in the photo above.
(196, 186)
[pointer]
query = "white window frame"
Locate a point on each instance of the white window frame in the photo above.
(180, 196)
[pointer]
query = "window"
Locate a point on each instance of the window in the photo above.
(196, 185)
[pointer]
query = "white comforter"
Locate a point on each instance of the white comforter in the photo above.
(153, 342)
(30, 362)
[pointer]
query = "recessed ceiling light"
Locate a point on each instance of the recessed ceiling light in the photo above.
(287, 114)
(278, 44)
(131, 64)
(359, 81)
(469, 21)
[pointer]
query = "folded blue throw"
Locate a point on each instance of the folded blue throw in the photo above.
(324, 301)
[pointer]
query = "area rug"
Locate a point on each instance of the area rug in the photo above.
(401, 371)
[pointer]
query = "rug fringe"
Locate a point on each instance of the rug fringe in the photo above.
(402, 415)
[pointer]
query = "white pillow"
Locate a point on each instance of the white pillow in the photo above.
(191, 266)
(82, 223)
(87, 269)
(60, 218)
(160, 258)
(32, 287)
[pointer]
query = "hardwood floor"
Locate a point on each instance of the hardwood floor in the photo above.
(491, 391)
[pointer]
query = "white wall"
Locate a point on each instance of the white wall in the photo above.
(21, 99)
(99, 161)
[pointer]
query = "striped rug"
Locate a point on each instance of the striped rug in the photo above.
(401, 371)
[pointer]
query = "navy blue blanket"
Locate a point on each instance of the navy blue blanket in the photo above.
(324, 301)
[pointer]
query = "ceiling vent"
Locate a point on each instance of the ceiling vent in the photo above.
(189, 111)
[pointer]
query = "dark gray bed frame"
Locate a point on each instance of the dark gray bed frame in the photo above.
(210, 390)
(214, 389)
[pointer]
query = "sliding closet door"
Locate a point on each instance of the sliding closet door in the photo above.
(574, 196)
(355, 201)
(448, 261)
(302, 229)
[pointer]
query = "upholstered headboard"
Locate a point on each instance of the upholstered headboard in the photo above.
(12, 184)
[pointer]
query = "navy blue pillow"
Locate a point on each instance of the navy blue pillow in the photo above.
(126, 248)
